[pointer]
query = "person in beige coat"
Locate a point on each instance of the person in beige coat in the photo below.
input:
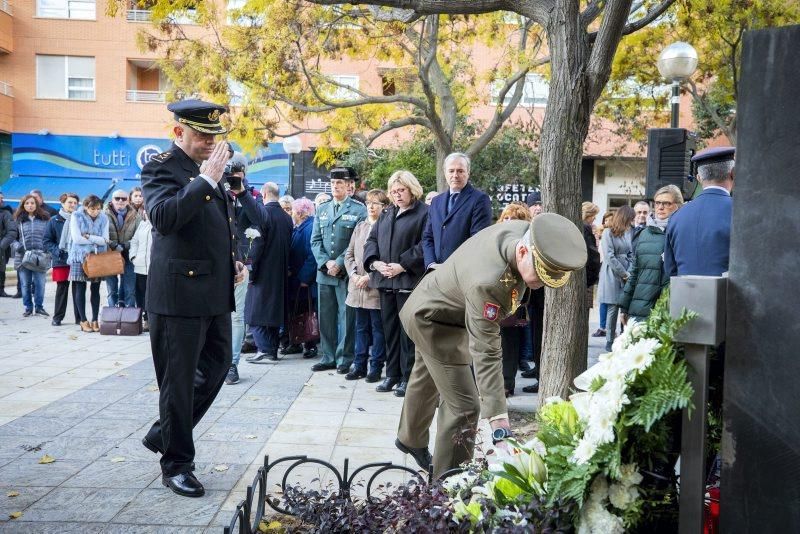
(364, 299)
(453, 316)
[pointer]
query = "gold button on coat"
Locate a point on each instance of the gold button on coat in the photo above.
(208, 197)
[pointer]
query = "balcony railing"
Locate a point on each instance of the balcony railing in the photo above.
(139, 15)
(5, 5)
(6, 89)
(133, 95)
(144, 15)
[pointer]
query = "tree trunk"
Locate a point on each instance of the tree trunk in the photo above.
(564, 349)
(441, 154)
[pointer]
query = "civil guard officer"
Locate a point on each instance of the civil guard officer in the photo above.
(334, 224)
(190, 287)
(453, 318)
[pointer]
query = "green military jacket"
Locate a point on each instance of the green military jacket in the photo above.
(454, 313)
(331, 233)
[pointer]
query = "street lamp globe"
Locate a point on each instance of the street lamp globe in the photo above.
(677, 62)
(292, 145)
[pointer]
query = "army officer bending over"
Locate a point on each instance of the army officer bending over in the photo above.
(453, 318)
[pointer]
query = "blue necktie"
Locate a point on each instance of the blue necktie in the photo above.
(451, 202)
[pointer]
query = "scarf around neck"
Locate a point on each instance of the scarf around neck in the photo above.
(64, 240)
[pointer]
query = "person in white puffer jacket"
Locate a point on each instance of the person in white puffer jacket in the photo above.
(141, 244)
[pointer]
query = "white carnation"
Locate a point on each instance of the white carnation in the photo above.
(630, 475)
(252, 233)
(619, 496)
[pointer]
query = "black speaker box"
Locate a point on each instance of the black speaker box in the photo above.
(669, 153)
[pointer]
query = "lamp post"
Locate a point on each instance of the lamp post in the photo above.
(677, 63)
(292, 145)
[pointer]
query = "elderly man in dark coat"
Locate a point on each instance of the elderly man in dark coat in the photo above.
(266, 297)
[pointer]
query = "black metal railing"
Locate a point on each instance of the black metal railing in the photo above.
(250, 511)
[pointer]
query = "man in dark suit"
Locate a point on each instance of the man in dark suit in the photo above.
(266, 296)
(699, 234)
(456, 215)
(190, 287)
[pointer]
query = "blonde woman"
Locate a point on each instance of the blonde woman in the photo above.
(647, 277)
(393, 257)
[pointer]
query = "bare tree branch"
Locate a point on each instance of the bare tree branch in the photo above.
(435, 7)
(726, 128)
(396, 124)
(605, 45)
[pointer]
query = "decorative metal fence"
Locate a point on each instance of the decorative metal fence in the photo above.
(250, 511)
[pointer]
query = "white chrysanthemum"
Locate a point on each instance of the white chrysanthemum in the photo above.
(600, 429)
(459, 481)
(640, 355)
(630, 475)
(619, 496)
(585, 379)
(610, 398)
(583, 452)
(601, 521)
(252, 233)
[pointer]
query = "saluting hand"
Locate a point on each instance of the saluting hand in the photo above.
(214, 166)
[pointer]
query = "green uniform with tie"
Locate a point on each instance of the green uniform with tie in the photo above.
(333, 226)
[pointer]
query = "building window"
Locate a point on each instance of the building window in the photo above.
(343, 93)
(65, 77)
(66, 9)
(534, 93)
(146, 82)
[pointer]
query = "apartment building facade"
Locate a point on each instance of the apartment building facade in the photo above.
(83, 108)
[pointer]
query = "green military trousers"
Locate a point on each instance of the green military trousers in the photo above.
(452, 387)
(336, 324)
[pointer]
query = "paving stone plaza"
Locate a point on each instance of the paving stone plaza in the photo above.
(85, 401)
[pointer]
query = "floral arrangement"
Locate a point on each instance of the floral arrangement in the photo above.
(587, 457)
(599, 462)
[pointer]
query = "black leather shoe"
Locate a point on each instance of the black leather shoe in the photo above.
(42, 312)
(323, 366)
(55, 322)
(3, 294)
(310, 353)
(355, 375)
(401, 390)
(247, 348)
(525, 366)
(185, 484)
(421, 456)
(531, 389)
(530, 373)
(387, 384)
(600, 332)
(373, 377)
(27, 313)
(292, 349)
(343, 369)
(17, 296)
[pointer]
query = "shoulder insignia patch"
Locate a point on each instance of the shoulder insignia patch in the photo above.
(490, 311)
(161, 158)
(356, 201)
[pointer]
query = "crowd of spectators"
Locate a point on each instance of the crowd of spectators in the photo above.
(353, 263)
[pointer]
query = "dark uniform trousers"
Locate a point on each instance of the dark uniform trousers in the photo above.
(192, 356)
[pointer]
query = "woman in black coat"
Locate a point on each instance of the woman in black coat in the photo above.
(393, 257)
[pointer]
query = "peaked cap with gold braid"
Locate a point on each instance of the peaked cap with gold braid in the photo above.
(199, 115)
(558, 248)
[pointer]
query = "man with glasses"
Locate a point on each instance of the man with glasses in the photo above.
(123, 221)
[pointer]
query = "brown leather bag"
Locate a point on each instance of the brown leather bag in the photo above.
(101, 264)
(303, 327)
(120, 321)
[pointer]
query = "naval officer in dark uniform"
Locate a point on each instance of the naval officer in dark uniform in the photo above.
(190, 287)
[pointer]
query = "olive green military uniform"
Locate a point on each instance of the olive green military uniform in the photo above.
(330, 237)
(453, 318)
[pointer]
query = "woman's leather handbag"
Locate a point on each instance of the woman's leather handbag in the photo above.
(303, 327)
(34, 260)
(120, 321)
(102, 264)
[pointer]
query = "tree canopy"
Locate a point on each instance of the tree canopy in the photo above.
(636, 95)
